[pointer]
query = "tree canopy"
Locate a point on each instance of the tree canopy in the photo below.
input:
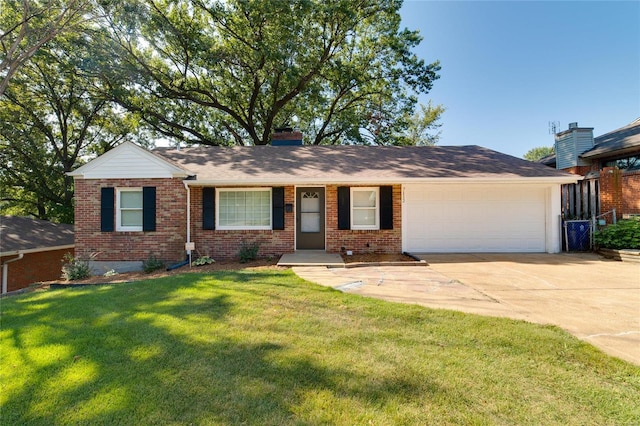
(229, 72)
(86, 75)
(535, 154)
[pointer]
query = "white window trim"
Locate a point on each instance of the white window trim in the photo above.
(243, 228)
(119, 227)
(375, 226)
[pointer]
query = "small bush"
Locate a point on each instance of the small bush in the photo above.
(203, 260)
(623, 235)
(74, 268)
(248, 251)
(152, 264)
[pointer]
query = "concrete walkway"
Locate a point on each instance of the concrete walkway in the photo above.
(311, 258)
(594, 299)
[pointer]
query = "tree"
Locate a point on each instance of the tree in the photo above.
(52, 119)
(535, 154)
(229, 72)
(423, 126)
(27, 25)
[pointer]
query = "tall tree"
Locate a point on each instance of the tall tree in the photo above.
(27, 25)
(228, 72)
(52, 119)
(535, 154)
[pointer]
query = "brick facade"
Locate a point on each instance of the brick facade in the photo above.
(166, 243)
(34, 267)
(619, 190)
(381, 241)
(223, 244)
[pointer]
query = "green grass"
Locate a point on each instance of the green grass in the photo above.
(266, 348)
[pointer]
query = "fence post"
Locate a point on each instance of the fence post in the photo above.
(614, 217)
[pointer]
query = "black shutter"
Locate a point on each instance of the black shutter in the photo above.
(277, 207)
(344, 207)
(208, 208)
(386, 207)
(149, 208)
(107, 209)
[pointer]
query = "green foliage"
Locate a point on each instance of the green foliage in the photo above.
(268, 348)
(151, 264)
(224, 73)
(422, 126)
(248, 251)
(53, 117)
(203, 260)
(535, 154)
(74, 268)
(623, 235)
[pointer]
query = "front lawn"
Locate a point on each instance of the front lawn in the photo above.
(266, 348)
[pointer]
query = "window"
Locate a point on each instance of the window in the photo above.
(627, 163)
(365, 208)
(245, 208)
(129, 209)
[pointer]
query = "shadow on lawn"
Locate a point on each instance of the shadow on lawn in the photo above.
(170, 350)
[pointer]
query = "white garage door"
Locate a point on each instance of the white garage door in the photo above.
(474, 218)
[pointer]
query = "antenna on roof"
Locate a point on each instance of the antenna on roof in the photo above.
(553, 127)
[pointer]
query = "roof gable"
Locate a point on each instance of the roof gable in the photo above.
(128, 160)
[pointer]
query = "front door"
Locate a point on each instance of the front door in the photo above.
(310, 218)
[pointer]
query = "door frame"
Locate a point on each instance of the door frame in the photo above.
(295, 221)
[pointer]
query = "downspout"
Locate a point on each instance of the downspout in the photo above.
(187, 260)
(5, 271)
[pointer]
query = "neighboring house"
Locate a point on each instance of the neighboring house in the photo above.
(132, 203)
(609, 164)
(31, 250)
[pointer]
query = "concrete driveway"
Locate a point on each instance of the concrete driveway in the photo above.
(595, 299)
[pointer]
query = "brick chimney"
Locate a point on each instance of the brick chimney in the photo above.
(286, 136)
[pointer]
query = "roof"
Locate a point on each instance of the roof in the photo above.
(620, 141)
(25, 234)
(352, 164)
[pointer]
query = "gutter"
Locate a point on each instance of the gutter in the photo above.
(371, 181)
(5, 271)
(36, 250)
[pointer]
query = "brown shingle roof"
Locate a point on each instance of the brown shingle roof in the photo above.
(325, 164)
(24, 233)
(620, 141)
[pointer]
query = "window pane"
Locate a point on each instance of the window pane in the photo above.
(131, 218)
(364, 217)
(244, 208)
(131, 199)
(364, 198)
(310, 222)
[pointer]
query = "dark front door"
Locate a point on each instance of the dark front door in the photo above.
(310, 218)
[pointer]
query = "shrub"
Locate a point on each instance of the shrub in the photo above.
(623, 235)
(74, 268)
(152, 264)
(248, 251)
(203, 260)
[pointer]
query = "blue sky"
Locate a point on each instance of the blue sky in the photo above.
(511, 67)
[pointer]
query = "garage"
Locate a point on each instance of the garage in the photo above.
(459, 218)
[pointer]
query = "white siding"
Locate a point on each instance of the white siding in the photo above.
(128, 161)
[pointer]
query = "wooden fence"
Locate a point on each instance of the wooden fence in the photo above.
(581, 200)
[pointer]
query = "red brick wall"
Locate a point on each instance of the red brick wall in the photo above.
(34, 267)
(381, 241)
(222, 245)
(619, 190)
(631, 192)
(166, 243)
(578, 170)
